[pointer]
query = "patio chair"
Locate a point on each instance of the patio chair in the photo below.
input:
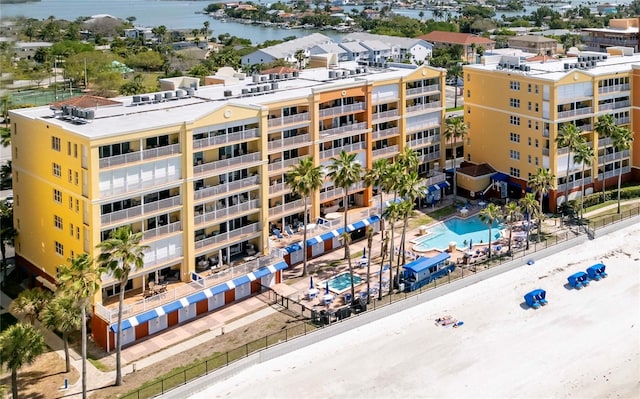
(278, 234)
(288, 230)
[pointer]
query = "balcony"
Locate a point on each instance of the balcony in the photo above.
(602, 159)
(430, 140)
(225, 139)
(228, 236)
(162, 230)
(545, 133)
(287, 120)
(423, 126)
(435, 177)
(226, 212)
(574, 184)
(286, 208)
(352, 129)
(276, 188)
(423, 107)
(423, 90)
(575, 112)
(339, 192)
(605, 142)
(614, 88)
(614, 173)
(330, 153)
(379, 116)
(391, 150)
(623, 121)
(430, 157)
(137, 156)
(614, 105)
(280, 164)
(174, 176)
(381, 134)
(545, 151)
(136, 211)
(242, 161)
(297, 141)
(344, 109)
(223, 188)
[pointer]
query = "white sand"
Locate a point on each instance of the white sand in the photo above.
(583, 344)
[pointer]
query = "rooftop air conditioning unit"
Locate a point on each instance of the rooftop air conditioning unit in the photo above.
(274, 86)
(157, 97)
(191, 92)
(256, 78)
(227, 93)
(266, 87)
(245, 91)
(168, 95)
(91, 114)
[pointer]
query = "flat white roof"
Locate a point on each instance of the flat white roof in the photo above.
(127, 118)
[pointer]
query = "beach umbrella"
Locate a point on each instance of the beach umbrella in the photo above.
(364, 252)
(311, 282)
(326, 287)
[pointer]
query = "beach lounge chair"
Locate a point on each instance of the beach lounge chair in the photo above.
(592, 272)
(288, 230)
(278, 234)
(362, 262)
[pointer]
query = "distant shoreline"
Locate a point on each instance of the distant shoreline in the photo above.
(18, 1)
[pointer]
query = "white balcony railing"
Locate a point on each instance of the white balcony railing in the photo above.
(135, 211)
(137, 156)
(615, 105)
(435, 139)
(283, 164)
(423, 89)
(227, 163)
(205, 192)
(288, 207)
(339, 192)
(226, 212)
(332, 152)
(162, 230)
(575, 112)
(352, 128)
(222, 139)
(602, 159)
(344, 109)
(385, 115)
(228, 236)
(381, 134)
(423, 126)
(614, 88)
(385, 151)
(287, 120)
(295, 140)
(423, 107)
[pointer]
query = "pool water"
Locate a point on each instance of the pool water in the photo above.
(342, 281)
(462, 231)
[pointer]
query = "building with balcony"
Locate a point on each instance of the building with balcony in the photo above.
(534, 44)
(620, 32)
(201, 173)
(515, 110)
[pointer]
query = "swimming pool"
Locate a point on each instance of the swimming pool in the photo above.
(462, 231)
(342, 282)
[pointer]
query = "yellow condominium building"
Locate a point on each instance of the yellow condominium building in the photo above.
(200, 171)
(515, 110)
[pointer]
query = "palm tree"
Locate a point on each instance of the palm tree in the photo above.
(303, 180)
(568, 136)
(405, 210)
(455, 72)
(376, 176)
(541, 182)
(7, 232)
(80, 280)
(529, 205)
(20, 344)
(412, 187)
(392, 214)
(121, 254)
(455, 129)
(64, 315)
(605, 127)
(383, 256)
(346, 241)
(583, 155)
(369, 245)
(299, 56)
(622, 139)
(5, 137)
(30, 303)
(345, 171)
(489, 215)
(512, 213)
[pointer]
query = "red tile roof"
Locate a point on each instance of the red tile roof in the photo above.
(473, 170)
(279, 70)
(438, 36)
(85, 101)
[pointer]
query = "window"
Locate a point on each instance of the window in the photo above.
(537, 143)
(468, 77)
(529, 141)
(57, 196)
(514, 120)
(514, 85)
(71, 230)
(59, 248)
(514, 103)
(536, 89)
(529, 88)
(529, 124)
(75, 150)
(529, 105)
(529, 158)
(57, 222)
(515, 172)
(536, 161)
(76, 178)
(55, 143)
(70, 202)
(77, 205)
(468, 93)
(77, 232)
(68, 148)
(537, 126)
(515, 137)
(57, 170)
(513, 154)
(70, 175)
(537, 108)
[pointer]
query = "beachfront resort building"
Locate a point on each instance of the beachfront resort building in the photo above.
(515, 109)
(620, 32)
(200, 171)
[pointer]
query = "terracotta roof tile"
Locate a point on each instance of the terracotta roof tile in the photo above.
(476, 170)
(454, 38)
(85, 101)
(279, 70)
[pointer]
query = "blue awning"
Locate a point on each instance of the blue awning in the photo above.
(198, 296)
(499, 176)
(337, 232)
(420, 264)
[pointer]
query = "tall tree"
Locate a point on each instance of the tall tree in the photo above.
(375, 177)
(7, 232)
(541, 182)
(121, 254)
(622, 139)
(583, 154)
(568, 136)
(80, 279)
(346, 241)
(412, 188)
(30, 303)
(455, 72)
(511, 214)
(455, 129)
(304, 179)
(605, 126)
(63, 314)
(392, 214)
(489, 215)
(529, 205)
(345, 171)
(20, 344)
(369, 234)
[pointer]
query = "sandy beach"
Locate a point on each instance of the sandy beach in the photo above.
(583, 344)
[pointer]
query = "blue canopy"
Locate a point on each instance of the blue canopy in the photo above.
(499, 176)
(421, 264)
(337, 232)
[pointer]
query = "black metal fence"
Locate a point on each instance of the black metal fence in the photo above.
(317, 319)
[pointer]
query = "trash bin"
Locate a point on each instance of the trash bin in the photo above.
(401, 287)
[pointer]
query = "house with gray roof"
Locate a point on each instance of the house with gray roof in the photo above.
(378, 51)
(330, 48)
(355, 51)
(287, 50)
(402, 48)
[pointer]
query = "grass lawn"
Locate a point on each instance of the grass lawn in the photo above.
(432, 217)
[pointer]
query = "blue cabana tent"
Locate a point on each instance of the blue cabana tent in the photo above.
(536, 298)
(596, 272)
(578, 280)
(424, 270)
